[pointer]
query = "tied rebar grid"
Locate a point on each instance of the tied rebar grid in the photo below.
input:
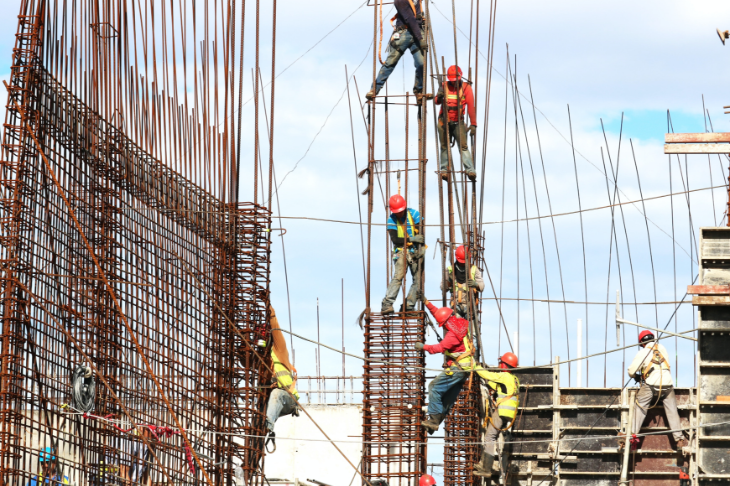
(83, 204)
(393, 402)
(463, 427)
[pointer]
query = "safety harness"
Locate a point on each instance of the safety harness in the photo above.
(657, 361)
(459, 297)
(392, 21)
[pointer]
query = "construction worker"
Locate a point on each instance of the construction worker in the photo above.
(282, 400)
(401, 226)
(458, 349)
(47, 461)
(651, 368)
(456, 93)
(459, 281)
(505, 390)
(426, 480)
(408, 34)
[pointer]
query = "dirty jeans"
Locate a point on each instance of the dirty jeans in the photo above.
(495, 425)
(458, 130)
(646, 397)
(444, 390)
(395, 52)
(399, 273)
(280, 403)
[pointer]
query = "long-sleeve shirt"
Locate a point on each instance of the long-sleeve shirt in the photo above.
(469, 101)
(406, 17)
(453, 341)
(643, 361)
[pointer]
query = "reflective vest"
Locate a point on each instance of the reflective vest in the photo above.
(283, 376)
(402, 226)
(452, 102)
(459, 296)
(466, 359)
(657, 361)
(508, 400)
(38, 480)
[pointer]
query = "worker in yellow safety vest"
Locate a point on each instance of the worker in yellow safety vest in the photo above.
(651, 368)
(505, 389)
(408, 252)
(284, 397)
(459, 282)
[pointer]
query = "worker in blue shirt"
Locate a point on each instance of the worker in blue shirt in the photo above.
(408, 34)
(401, 227)
(47, 460)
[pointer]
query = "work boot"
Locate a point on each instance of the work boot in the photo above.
(444, 175)
(433, 422)
(386, 309)
(371, 94)
(484, 468)
(472, 175)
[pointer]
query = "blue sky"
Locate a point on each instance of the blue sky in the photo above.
(601, 58)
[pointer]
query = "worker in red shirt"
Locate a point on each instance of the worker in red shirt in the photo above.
(457, 346)
(455, 92)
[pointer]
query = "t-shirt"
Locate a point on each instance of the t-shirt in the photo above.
(393, 223)
(643, 361)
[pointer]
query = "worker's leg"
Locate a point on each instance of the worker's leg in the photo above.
(395, 52)
(399, 273)
(416, 271)
(463, 141)
(643, 402)
(444, 141)
(280, 403)
(490, 440)
(670, 409)
(417, 63)
(443, 391)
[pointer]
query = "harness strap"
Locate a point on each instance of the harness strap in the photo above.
(413, 7)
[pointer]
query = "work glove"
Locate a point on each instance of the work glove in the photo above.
(419, 346)
(420, 239)
(472, 130)
(472, 283)
(423, 45)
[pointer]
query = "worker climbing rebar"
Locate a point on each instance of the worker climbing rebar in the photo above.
(408, 252)
(460, 281)
(651, 368)
(456, 93)
(459, 350)
(408, 34)
(504, 388)
(281, 402)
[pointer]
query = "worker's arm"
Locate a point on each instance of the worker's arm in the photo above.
(639, 360)
(449, 342)
(397, 242)
(469, 95)
(479, 280)
(409, 18)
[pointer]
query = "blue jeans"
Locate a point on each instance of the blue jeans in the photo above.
(280, 403)
(458, 131)
(396, 50)
(444, 390)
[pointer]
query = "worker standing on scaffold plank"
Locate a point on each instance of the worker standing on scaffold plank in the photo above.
(408, 34)
(503, 409)
(651, 368)
(456, 93)
(401, 223)
(458, 348)
(459, 282)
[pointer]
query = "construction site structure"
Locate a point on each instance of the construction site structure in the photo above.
(127, 254)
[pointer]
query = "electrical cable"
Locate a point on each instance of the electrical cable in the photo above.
(83, 388)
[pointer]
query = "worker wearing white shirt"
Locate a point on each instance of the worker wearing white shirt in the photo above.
(651, 367)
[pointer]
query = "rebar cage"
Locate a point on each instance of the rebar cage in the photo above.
(115, 261)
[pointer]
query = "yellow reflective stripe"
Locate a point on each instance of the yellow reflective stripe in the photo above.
(401, 226)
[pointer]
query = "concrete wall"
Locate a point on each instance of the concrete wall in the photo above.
(302, 460)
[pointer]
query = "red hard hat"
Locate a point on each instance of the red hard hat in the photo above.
(397, 203)
(461, 254)
(644, 334)
(454, 73)
(442, 315)
(426, 480)
(509, 359)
